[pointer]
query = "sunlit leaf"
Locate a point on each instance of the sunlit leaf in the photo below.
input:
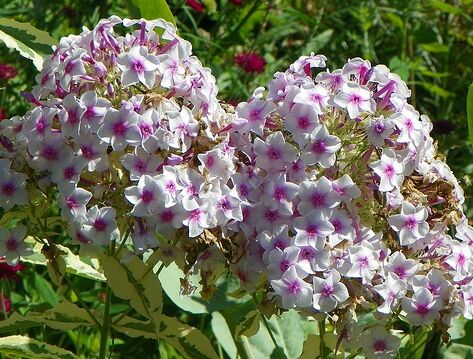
(434, 47)
(25, 347)
(249, 325)
(223, 334)
(30, 42)
(150, 9)
(64, 316)
(445, 7)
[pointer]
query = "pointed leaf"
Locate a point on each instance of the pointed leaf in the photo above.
(25, 347)
(249, 325)
(223, 334)
(26, 39)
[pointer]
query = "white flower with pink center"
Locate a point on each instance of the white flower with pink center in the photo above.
(317, 195)
(198, 219)
(390, 171)
(293, 290)
(377, 343)
(410, 224)
(12, 246)
(404, 268)
(144, 196)
(67, 173)
(100, 225)
(346, 188)
(333, 80)
(422, 308)
(316, 96)
(312, 226)
(39, 123)
(183, 126)
(274, 154)
(12, 187)
(279, 238)
(392, 291)
(300, 122)
(168, 219)
(321, 148)
(342, 225)
(141, 163)
(138, 65)
(169, 182)
(73, 204)
(70, 116)
(48, 152)
(228, 206)
(378, 130)
(94, 150)
(255, 113)
(364, 261)
(95, 110)
(329, 293)
(461, 260)
(434, 281)
(355, 99)
(407, 121)
(314, 257)
(215, 163)
(279, 261)
(120, 128)
(279, 194)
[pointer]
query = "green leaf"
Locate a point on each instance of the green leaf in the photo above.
(318, 42)
(400, 67)
(435, 89)
(434, 47)
(74, 264)
(150, 9)
(64, 316)
(223, 334)
(311, 348)
(443, 6)
(457, 351)
(249, 325)
(170, 278)
(188, 340)
(135, 281)
(191, 342)
(45, 290)
(30, 42)
(469, 111)
(25, 347)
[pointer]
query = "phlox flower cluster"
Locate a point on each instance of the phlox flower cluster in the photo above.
(129, 131)
(346, 205)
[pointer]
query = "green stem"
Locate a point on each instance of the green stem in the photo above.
(104, 332)
(91, 315)
(268, 328)
(321, 334)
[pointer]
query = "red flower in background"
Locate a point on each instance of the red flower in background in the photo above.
(251, 62)
(8, 271)
(3, 113)
(237, 2)
(7, 71)
(196, 5)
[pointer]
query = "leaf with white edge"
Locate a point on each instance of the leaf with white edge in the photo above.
(249, 325)
(191, 342)
(25, 347)
(29, 41)
(64, 316)
(134, 328)
(170, 280)
(74, 263)
(150, 10)
(223, 334)
(133, 280)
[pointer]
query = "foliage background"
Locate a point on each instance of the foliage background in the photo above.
(429, 43)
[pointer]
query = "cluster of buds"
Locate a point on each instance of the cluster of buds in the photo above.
(347, 207)
(325, 192)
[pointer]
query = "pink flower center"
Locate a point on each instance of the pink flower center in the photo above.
(167, 216)
(279, 193)
(195, 215)
(410, 222)
(312, 230)
(379, 345)
(307, 253)
(255, 115)
(140, 166)
(315, 97)
(389, 170)
(50, 153)
(71, 202)
(319, 146)
(273, 153)
(401, 272)
(422, 309)
(137, 66)
(147, 196)
(271, 216)
(293, 287)
(317, 199)
(87, 152)
(284, 265)
(356, 99)
(327, 290)
(69, 172)
(119, 128)
(41, 126)
(303, 122)
(100, 225)
(280, 243)
(209, 161)
(11, 244)
(8, 189)
(363, 261)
